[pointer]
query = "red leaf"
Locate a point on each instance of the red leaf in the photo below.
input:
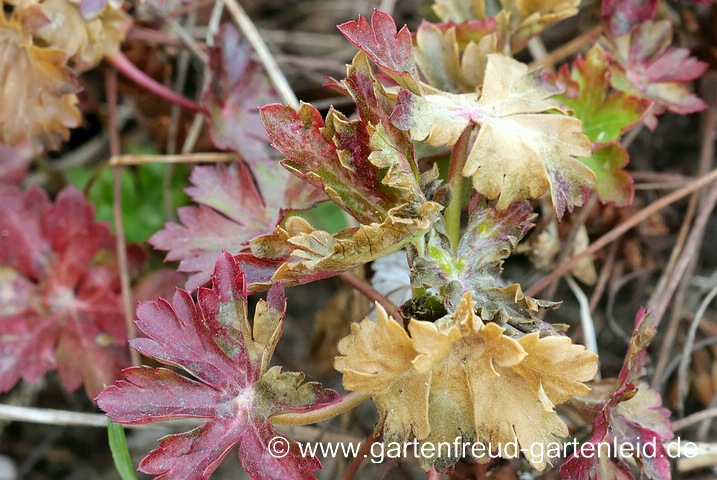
(646, 65)
(213, 341)
(65, 310)
(633, 414)
(389, 48)
(236, 204)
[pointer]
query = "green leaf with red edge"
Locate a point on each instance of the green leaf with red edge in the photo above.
(344, 158)
(613, 184)
(389, 48)
(62, 309)
(236, 204)
(633, 414)
(232, 385)
(522, 148)
(605, 115)
(645, 65)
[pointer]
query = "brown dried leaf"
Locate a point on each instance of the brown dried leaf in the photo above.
(38, 99)
(86, 40)
(465, 379)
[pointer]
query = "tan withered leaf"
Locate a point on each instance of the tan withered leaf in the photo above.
(86, 40)
(308, 254)
(37, 99)
(525, 145)
(465, 379)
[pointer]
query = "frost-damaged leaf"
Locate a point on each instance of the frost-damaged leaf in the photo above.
(234, 207)
(389, 48)
(632, 415)
(465, 380)
(305, 254)
(61, 308)
(233, 386)
(445, 64)
(37, 99)
(236, 88)
(340, 157)
(523, 147)
(622, 16)
(605, 116)
(646, 65)
(86, 36)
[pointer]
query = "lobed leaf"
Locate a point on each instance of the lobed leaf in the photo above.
(389, 48)
(521, 149)
(63, 310)
(38, 101)
(232, 385)
(466, 380)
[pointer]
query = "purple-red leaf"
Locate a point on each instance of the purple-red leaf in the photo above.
(236, 204)
(232, 388)
(63, 309)
(622, 16)
(632, 416)
(391, 49)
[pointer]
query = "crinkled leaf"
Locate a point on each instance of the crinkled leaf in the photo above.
(633, 414)
(62, 308)
(305, 254)
(522, 149)
(465, 378)
(340, 157)
(87, 37)
(236, 204)
(389, 48)
(232, 386)
(646, 65)
(38, 101)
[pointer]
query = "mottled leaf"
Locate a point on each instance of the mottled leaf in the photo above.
(61, 308)
(523, 148)
(389, 48)
(232, 385)
(622, 16)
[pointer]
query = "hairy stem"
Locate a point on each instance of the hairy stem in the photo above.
(128, 69)
(352, 400)
(455, 178)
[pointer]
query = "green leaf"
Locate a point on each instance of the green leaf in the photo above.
(120, 453)
(605, 116)
(613, 183)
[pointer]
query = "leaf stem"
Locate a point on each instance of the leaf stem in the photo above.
(352, 400)
(455, 178)
(372, 294)
(130, 70)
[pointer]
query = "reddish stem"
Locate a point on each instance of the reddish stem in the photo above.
(371, 293)
(130, 70)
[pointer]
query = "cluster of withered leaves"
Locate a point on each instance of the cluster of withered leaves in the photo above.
(44, 44)
(465, 379)
(233, 386)
(632, 415)
(60, 307)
